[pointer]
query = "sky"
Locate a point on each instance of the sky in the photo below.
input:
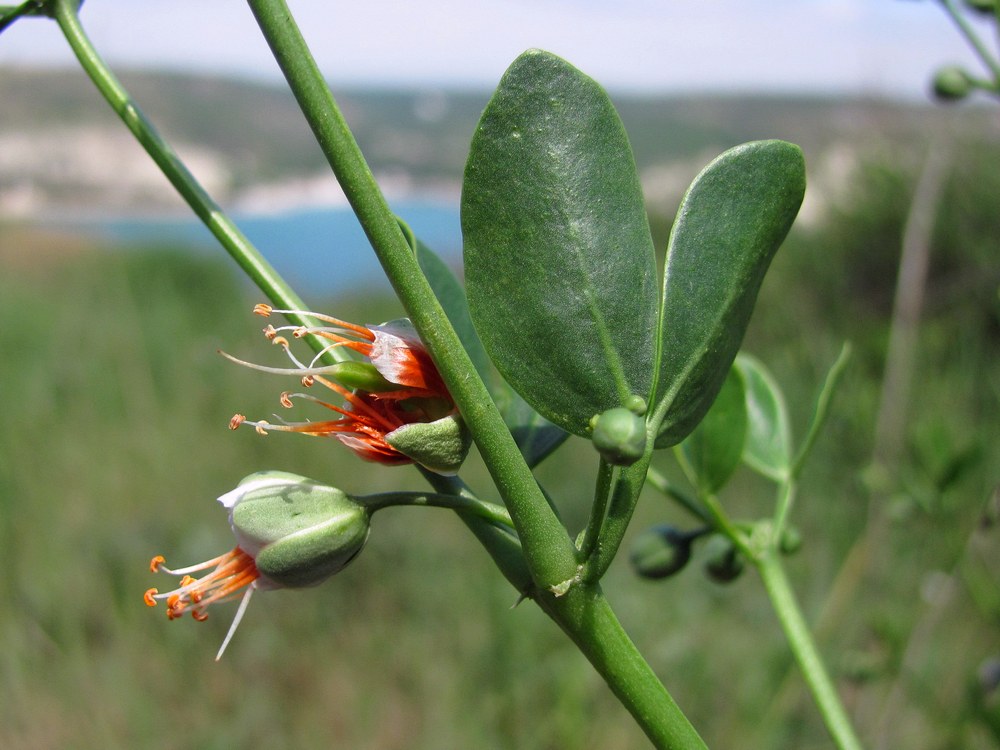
(865, 47)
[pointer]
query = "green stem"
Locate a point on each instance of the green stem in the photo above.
(624, 498)
(598, 509)
(661, 483)
(587, 618)
(488, 511)
(550, 553)
(502, 546)
(800, 639)
(974, 41)
(221, 226)
(548, 550)
(10, 13)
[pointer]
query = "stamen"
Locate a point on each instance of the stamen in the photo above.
(236, 620)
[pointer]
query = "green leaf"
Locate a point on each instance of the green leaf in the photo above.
(535, 436)
(732, 220)
(713, 450)
(559, 263)
(768, 448)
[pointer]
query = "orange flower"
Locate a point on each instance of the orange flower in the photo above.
(397, 386)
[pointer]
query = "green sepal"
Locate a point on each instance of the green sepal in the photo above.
(440, 446)
(361, 376)
(301, 532)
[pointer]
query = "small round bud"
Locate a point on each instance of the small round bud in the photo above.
(298, 531)
(660, 552)
(791, 541)
(636, 404)
(723, 562)
(619, 436)
(952, 83)
(440, 446)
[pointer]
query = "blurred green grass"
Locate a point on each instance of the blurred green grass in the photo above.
(113, 446)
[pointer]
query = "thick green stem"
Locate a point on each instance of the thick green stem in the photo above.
(549, 551)
(800, 639)
(587, 618)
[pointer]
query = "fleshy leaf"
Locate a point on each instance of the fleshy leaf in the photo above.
(768, 448)
(714, 449)
(559, 263)
(732, 220)
(534, 435)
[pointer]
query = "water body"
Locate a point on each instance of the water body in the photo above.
(320, 251)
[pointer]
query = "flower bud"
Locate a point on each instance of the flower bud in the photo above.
(952, 83)
(723, 562)
(791, 540)
(298, 531)
(619, 435)
(660, 552)
(440, 446)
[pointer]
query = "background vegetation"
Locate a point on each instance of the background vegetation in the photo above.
(113, 446)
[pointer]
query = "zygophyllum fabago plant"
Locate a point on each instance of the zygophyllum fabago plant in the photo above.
(563, 328)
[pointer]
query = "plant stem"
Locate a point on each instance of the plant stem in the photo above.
(549, 551)
(211, 214)
(598, 509)
(587, 618)
(974, 41)
(493, 513)
(800, 639)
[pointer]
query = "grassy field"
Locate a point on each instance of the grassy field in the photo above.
(113, 446)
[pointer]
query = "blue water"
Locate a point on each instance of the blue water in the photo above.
(318, 251)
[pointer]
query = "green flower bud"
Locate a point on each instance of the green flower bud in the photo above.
(791, 541)
(298, 531)
(660, 552)
(952, 83)
(440, 446)
(619, 435)
(723, 562)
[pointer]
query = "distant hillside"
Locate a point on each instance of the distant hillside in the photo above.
(62, 149)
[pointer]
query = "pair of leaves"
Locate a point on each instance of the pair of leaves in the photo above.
(560, 267)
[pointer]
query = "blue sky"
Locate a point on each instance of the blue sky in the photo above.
(870, 47)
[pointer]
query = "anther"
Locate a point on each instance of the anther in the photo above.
(262, 310)
(308, 381)
(199, 614)
(235, 422)
(155, 563)
(150, 597)
(285, 400)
